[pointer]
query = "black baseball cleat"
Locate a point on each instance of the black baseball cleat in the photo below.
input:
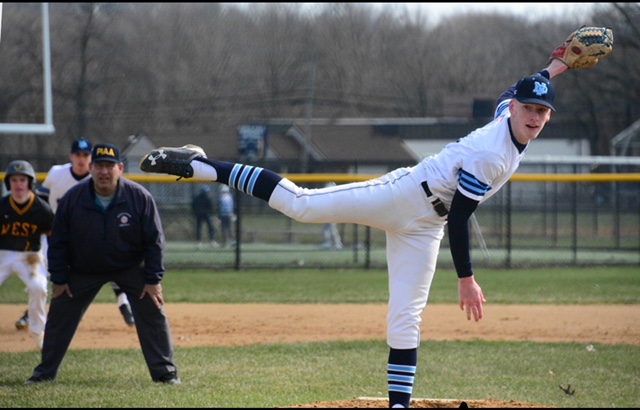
(35, 380)
(23, 322)
(170, 378)
(125, 309)
(172, 161)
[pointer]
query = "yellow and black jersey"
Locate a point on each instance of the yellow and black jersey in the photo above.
(21, 225)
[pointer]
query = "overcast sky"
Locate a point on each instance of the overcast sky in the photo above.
(437, 10)
(534, 10)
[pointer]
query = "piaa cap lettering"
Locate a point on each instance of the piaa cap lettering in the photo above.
(105, 152)
(535, 89)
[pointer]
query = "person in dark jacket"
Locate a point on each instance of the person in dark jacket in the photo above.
(107, 228)
(202, 207)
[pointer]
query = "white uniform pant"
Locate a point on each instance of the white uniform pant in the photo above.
(34, 274)
(331, 236)
(396, 204)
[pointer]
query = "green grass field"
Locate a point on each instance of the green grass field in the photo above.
(284, 375)
(185, 255)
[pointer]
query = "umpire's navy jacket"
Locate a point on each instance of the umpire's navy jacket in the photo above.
(87, 239)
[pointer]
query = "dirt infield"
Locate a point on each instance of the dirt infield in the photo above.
(239, 325)
(374, 402)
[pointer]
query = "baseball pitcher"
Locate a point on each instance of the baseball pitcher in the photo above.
(414, 205)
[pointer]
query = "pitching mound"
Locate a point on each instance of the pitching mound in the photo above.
(379, 403)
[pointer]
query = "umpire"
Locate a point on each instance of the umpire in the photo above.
(107, 228)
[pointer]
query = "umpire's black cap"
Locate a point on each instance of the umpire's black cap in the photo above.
(536, 89)
(105, 152)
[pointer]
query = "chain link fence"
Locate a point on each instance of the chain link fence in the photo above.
(535, 220)
(552, 213)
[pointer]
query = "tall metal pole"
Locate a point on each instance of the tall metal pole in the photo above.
(309, 115)
(47, 126)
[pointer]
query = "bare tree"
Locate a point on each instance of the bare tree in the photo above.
(201, 68)
(21, 84)
(606, 98)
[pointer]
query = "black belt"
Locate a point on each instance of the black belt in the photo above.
(438, 206)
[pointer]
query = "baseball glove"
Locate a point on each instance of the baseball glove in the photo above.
(584, 47)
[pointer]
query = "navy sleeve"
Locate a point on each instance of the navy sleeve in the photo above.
(43, 193)
(458, 228)
(58, 250)
(154, 242)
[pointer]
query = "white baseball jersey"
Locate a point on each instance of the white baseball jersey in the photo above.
(59, 180)
(477, 165)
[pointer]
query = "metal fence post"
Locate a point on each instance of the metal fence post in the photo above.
(238, 228)
(508, 245)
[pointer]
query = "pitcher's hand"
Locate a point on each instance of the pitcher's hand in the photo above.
(471, 297)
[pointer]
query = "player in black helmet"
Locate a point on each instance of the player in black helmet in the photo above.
(25, 217)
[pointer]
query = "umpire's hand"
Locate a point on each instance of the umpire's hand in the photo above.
(58, 290)
(155, 293)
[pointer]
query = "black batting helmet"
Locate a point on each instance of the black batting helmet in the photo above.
(19, 167)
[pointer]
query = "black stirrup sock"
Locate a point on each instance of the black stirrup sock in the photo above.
(252, 180)
(401, 372)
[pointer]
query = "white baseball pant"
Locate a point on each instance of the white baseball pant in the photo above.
(396, 204)
(34, 275)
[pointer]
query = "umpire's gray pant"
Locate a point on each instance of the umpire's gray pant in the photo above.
(65, 314)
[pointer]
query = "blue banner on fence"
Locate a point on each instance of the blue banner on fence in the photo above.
(252, 141)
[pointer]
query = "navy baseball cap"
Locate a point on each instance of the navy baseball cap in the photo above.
(81, 145)
(105, 152)
(535, 89)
